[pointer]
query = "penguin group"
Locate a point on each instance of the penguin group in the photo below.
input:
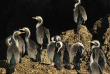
(59, 52)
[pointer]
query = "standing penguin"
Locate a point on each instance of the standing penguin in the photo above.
(76, 51)
(94, 66)
(32, 49)
(98, 54)
(80, 15)
(13, 54)
(42, 33)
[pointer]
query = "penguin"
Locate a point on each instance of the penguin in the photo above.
(42, 33)
(77, 50)
(98, 54)
(32, 49)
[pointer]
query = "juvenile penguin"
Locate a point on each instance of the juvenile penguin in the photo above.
(42, 33)
(76, 51)
(98, 54)
(32, 49)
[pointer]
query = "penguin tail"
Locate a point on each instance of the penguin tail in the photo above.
(67, 66)
(58, 66)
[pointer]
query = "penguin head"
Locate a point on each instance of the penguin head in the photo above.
(59, 45)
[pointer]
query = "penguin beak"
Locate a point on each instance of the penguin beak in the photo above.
(34, 18)
(58, 50)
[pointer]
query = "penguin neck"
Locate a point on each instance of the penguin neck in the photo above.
(27, 37)
(39, 23)
(15, 40)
